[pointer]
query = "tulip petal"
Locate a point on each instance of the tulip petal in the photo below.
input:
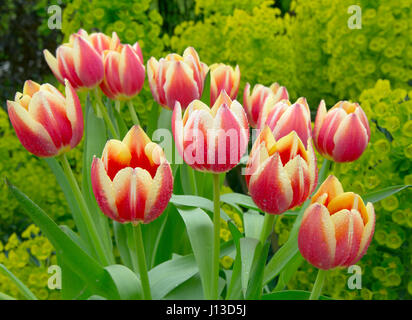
(316, 238)
(131, 72)
(270, 187)
(74, 114)
(159, 193)
(180, 84)
(103, 189)
(116, 156)
(367, 232)
(331, 187)
(132, 188)
(350, 140)
(32, 135)
(298, 173)
(53, 65)
(65, 63)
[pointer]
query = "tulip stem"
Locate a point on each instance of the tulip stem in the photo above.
(133, 113)
(141, 261)
(105, 114)
(98, 244)
(216, 237)
(318, 285)
(267, 227)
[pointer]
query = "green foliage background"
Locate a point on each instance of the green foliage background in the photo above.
(304, 45)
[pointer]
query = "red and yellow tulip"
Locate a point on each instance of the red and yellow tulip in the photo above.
(336, 228)
(211, 139)
(77, 61)
(260, 96)
(46, 122)
(124, 70)
(177, 78)
(223, 77)
(133, 181)
(280, 174)
(283, 117)
(342, 133)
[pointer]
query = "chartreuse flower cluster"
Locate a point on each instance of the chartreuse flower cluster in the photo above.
(28, 256)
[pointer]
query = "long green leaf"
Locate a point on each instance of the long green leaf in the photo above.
(206, 90)
(384, 193)
(253, 224)
(254, 290)
(20, 285)
(4, 296)
(200, 230)
(234, 290)
(120, 236)
(248, 247)
(126, 281)
(76, 259)
(291, 295)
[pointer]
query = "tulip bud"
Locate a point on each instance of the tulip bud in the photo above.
(77, 61)
(280, 174)
(336, 228)
(177, 78)
(211, 139)
(282, 118)
(46, 123)
(124, 72)
(223, 77)
(133, 181)
(261, 95)
(342, 133)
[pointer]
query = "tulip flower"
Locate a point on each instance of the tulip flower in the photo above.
(223, 77)
(260, 96)
(280, 174)
(124, 72)
(46, 122)
(211, 139)
(177, 78)
(342, 133)
(78, 62)
(282, 118)
(336, 228)
(133, 181)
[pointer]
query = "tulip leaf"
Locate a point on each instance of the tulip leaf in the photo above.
(153, 119)
(4, 296)
(200, 230)
(96, 297)
(94, 142)
(71, 201)
(253, 224)
(16, 281)
(168, 275)
(206, 90)
(287, 273)
(126, 281)
(196, 202)
(291, 295)
(384, 193)
(248, 247)
(87, 268)
(240, 199)
(254, 290)
(235, 286)
(120, 236)
(188, 179)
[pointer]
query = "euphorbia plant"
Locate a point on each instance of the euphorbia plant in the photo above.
(128, 180)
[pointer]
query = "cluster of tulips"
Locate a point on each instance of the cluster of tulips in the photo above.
(132, 181)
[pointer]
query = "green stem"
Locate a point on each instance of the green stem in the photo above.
(318, 285)
(133, 113)
(216, 237)
(141, 261)
(106, 117)
(117, 105)
(84, 211)
(267, 227)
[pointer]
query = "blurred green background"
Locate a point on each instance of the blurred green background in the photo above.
(306, 46)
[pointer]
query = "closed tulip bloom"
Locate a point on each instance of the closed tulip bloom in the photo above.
(177, 78)
(223, 77)
(133, 181)
(283, 117)
(78, 61)
(254, 103)
(124, 72)
(280, 174)
(211, 139)
(336, 228)
(342, 133)
(46, 122)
